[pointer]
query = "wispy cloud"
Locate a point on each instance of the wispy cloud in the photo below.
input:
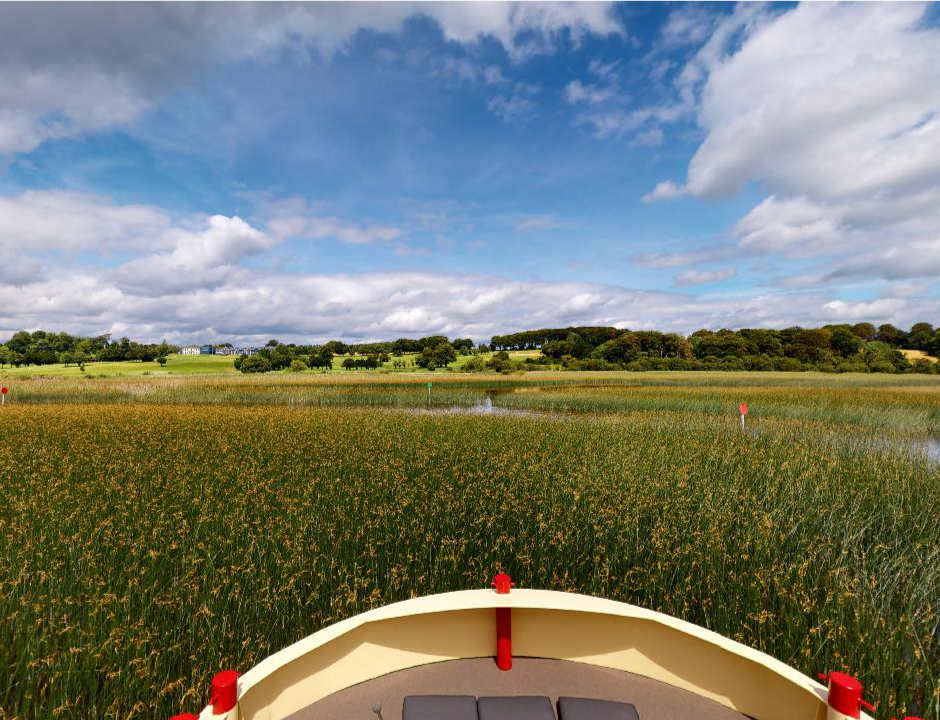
(534, 223)
(665, 190)
(688, 278)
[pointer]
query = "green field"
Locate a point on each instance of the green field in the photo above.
(210, 364)
(154, 529)
(176, 365)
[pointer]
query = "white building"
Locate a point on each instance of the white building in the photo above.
(189, 350)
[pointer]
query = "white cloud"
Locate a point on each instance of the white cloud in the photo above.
(512, 108)
(198, 260)
(577, 92)
(834, 109)
(648, 138)
(687, 278)
(706, 254)
(78, 68)
(605, 71)
(72, 222)
(253, 305)
(665, 190)
(319, 228)
(830, 100)
(189, 279)
(842, 310)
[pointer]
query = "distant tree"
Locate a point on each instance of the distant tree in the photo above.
(920, 335)
(866, 331)
(321, 359)
(162, 360)
(254, 364)
(441, 355)
(432, 341)
(891, 335)
(844, 341)
(297, 365)
(463, 346)
(624, 348)
(336, 347)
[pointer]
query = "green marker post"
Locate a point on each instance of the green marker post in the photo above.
(429, 395)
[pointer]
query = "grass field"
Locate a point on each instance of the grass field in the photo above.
(210, 364)
(915, 355)
(155, 529)
(176, 365)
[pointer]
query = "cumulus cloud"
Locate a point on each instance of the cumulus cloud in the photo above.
(252, 305)
(835, 110)
(198, 259)
(76, 68)
(72, 222)
(187, 279)
(190, 279)
(831, 100)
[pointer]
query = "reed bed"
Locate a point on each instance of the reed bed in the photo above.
(144, 546)
(154, 531)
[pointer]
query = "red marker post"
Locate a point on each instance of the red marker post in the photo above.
(3, 396)
(742, 408)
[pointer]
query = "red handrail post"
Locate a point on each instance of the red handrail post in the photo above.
(503, 583)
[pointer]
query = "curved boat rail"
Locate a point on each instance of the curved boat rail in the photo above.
(530, 623)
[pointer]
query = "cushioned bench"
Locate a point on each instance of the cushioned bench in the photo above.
(589, 709)
(521, 707)
(439, 707)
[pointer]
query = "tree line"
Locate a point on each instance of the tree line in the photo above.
(861, 347)
(49, 348)
(831, 348)
(434, 351)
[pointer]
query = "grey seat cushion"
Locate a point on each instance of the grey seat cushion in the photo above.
(588, 709)
(521, 707)
(439, 707)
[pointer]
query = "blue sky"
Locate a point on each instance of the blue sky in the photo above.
(371, 171)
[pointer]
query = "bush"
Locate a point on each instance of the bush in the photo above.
(297, 365)
(847, 366)
(786, 364)
(254, 364)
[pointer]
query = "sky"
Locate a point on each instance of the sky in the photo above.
(235, 172)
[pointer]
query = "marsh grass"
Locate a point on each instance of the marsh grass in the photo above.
(146, 543)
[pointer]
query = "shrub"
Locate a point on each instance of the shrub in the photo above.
(254, 364)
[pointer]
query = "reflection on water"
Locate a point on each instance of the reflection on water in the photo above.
(483, 406)
(928, 446)
(932, 448)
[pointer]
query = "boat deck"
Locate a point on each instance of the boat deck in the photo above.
(529, 676)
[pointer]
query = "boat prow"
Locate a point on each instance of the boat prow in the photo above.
(546, 643)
